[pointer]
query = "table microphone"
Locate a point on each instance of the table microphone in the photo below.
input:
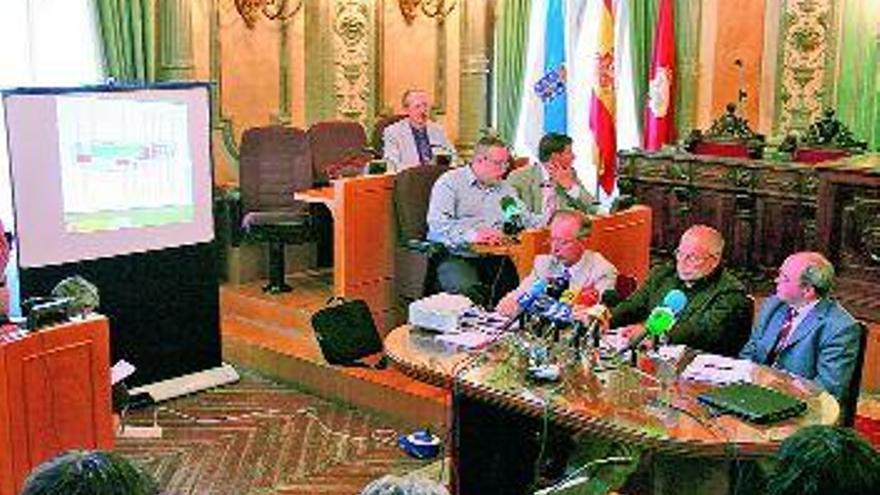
(661, 319)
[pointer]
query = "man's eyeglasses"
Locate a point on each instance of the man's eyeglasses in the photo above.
(693, 257)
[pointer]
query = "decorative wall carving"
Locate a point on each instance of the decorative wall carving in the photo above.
(807, 42)
(353, 59)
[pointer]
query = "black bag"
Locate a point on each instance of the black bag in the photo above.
(345, 331)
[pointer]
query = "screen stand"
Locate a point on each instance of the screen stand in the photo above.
(187, 384)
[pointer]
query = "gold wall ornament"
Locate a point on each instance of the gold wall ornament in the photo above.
(274, 10)
(435, 9)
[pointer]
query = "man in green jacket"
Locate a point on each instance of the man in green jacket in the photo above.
(718, 314)
(552, 184)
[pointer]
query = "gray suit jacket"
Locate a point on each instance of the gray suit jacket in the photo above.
(822, 348)
(399, 145)
(528, 182)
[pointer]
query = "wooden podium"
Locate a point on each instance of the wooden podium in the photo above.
(54, 395)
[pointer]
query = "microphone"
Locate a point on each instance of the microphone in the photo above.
(512, 216)
(661, 319)
(526, 301)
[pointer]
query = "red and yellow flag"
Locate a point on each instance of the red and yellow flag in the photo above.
(602, 101)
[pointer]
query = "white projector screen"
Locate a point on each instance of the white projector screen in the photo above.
(98, 173)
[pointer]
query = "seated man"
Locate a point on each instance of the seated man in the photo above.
(466, 208)
(718, 311)
(803, 330)
(414, 140)
(586, 268)
(553, 183)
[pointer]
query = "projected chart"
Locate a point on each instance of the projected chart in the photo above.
(124, 163)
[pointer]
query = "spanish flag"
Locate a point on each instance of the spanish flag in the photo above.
(602, 104)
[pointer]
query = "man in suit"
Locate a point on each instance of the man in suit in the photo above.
(414, 140)
(718, 313)
(802, 330)
(585, 268)
(552, 184)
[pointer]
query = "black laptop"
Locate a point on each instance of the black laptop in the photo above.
(753, 403)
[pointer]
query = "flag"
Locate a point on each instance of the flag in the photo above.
(603, 99)
(555, 112)
(659, 111)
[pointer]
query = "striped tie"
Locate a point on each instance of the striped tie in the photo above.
(784, 332)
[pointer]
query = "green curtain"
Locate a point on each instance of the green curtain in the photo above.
(511, 39)
(128, 35)
(643, 21)
(858, 84)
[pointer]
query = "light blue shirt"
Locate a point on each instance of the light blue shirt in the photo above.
(460, 205)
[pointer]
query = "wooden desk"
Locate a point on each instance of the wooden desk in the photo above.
(623, 407)
(363, 240)
(532, 242)
(54, 396)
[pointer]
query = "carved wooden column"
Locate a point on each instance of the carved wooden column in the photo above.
(175, 40)
(476, 48)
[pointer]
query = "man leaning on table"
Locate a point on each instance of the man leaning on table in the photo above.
(568, 256)
(801, 329)
(466, 208)
(718, 313)
(414, 140)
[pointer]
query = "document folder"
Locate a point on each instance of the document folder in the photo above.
(753, 403)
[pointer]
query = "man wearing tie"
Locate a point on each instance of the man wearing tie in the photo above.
(802, 330)
(414, 140)
(552, 184)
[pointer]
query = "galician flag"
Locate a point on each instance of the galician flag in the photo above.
(659, 114)
(602, 101)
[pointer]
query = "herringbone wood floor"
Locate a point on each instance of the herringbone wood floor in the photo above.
(261, 437)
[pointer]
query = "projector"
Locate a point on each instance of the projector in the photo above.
(441, 312)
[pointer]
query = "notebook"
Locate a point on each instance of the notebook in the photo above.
(753, 403)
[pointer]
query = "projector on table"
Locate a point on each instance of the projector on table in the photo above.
(441, 312)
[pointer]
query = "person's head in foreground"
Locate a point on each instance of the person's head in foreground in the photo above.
(803, 278)
(698, 253)
(820, 460)
(83, 472)
(404, 485)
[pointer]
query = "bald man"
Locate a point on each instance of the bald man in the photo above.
(803, 330)
(718, 314)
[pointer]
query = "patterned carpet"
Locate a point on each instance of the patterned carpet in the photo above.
(261, 437)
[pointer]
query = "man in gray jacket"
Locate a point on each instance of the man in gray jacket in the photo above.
(414, 140)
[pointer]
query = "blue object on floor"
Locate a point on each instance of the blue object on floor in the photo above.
(420, 444)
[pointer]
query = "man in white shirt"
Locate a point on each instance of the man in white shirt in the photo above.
(414, 140)
(585, 269)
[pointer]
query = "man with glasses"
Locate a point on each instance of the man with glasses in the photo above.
(466, 208)
(584, 268)
(803, 330)
(415, 139)
(718, 313)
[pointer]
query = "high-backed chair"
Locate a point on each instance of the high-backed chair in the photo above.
(412, 194)
(275, 162)
(851, 402)
(332, 142)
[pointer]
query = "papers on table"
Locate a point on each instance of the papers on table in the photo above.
(474, 339)
(718, 370)
(120, 371)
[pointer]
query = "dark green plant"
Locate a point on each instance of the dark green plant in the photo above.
(78, 472)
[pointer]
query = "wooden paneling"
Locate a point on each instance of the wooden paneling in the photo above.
(871, 368)
(54, 396)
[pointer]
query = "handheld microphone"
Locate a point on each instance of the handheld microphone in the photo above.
(588, 297)
(512, 216)
(526, 301)
(662, 318)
